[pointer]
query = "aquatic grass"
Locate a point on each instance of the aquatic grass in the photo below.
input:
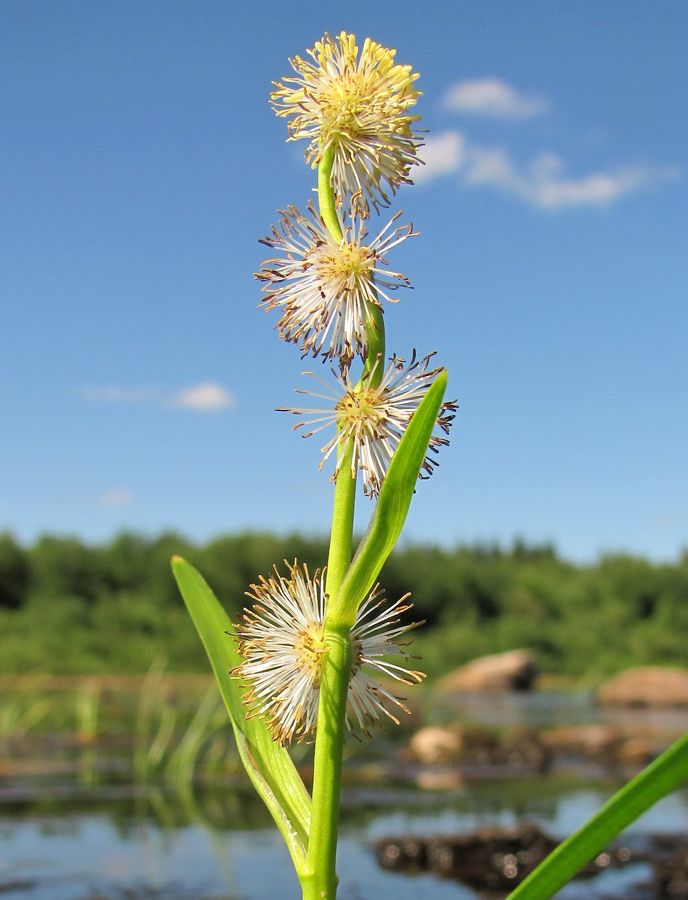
(19, 715)
(87, 704)
(155, 723)
(184, 758)
(165, 730)
(165, 747)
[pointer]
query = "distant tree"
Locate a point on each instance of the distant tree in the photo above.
(312, 551)
(160, 584)
(521, 550)
(635, 583)
(126, 562)
(115, 606)
(64, 567)
(426, 573)
(219, 569)
(14, 573)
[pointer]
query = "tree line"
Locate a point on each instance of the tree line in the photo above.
(68, 606)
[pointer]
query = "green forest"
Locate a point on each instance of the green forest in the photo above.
(72, 608)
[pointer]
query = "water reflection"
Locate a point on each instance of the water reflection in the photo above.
(153, 842)
(78, 827)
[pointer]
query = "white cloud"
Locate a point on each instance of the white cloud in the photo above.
(116, 498)
(206, 397)
(442, 154)
(494, 98)
(543, 182)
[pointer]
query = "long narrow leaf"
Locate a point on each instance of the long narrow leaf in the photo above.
(268, 764)
(393, 503)
(660, 778)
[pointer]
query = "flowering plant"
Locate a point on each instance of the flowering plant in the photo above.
(316, 655)
(305, 660)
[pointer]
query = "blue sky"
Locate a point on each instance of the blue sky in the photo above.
(140, 162)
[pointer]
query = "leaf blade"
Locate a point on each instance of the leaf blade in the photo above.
(267, 763)
(658, 780)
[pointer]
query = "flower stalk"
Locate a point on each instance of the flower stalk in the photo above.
(319, 99)
(326, 199)
(337, 660)
(321, 881)
(375, 326)
(310, 656)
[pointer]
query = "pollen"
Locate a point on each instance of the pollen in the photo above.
(348, 262)
(309, 647)
(361, 410)
(358, 105)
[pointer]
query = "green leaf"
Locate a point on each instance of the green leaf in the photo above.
(392, 506)
(660, 778)
(268, 764)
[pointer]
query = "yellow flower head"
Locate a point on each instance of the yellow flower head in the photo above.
(359, 107)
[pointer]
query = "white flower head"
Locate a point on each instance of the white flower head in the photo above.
(358, 106)
(325, 287)
(375, 417)
(282, 645)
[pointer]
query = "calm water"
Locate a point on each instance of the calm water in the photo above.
(157, 845)
(72, 839)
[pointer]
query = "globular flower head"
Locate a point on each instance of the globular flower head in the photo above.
(325, 287)
(374, 417)
(359, 107)
(281, 642)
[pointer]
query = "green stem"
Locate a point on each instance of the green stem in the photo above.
(375, 325)
(341, 536)
(374, 366)
(321, 879)
(326, 201)
(327, 767)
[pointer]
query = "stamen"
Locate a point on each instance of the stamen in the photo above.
(281, 642)
(358, 107)
(375, 418)
(324, 287)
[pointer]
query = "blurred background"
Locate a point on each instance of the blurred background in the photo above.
(139, 164)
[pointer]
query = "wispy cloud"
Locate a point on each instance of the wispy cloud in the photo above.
(491, 97)
(206, 397)
(543, 181)
(116, 498)
(442, 155)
